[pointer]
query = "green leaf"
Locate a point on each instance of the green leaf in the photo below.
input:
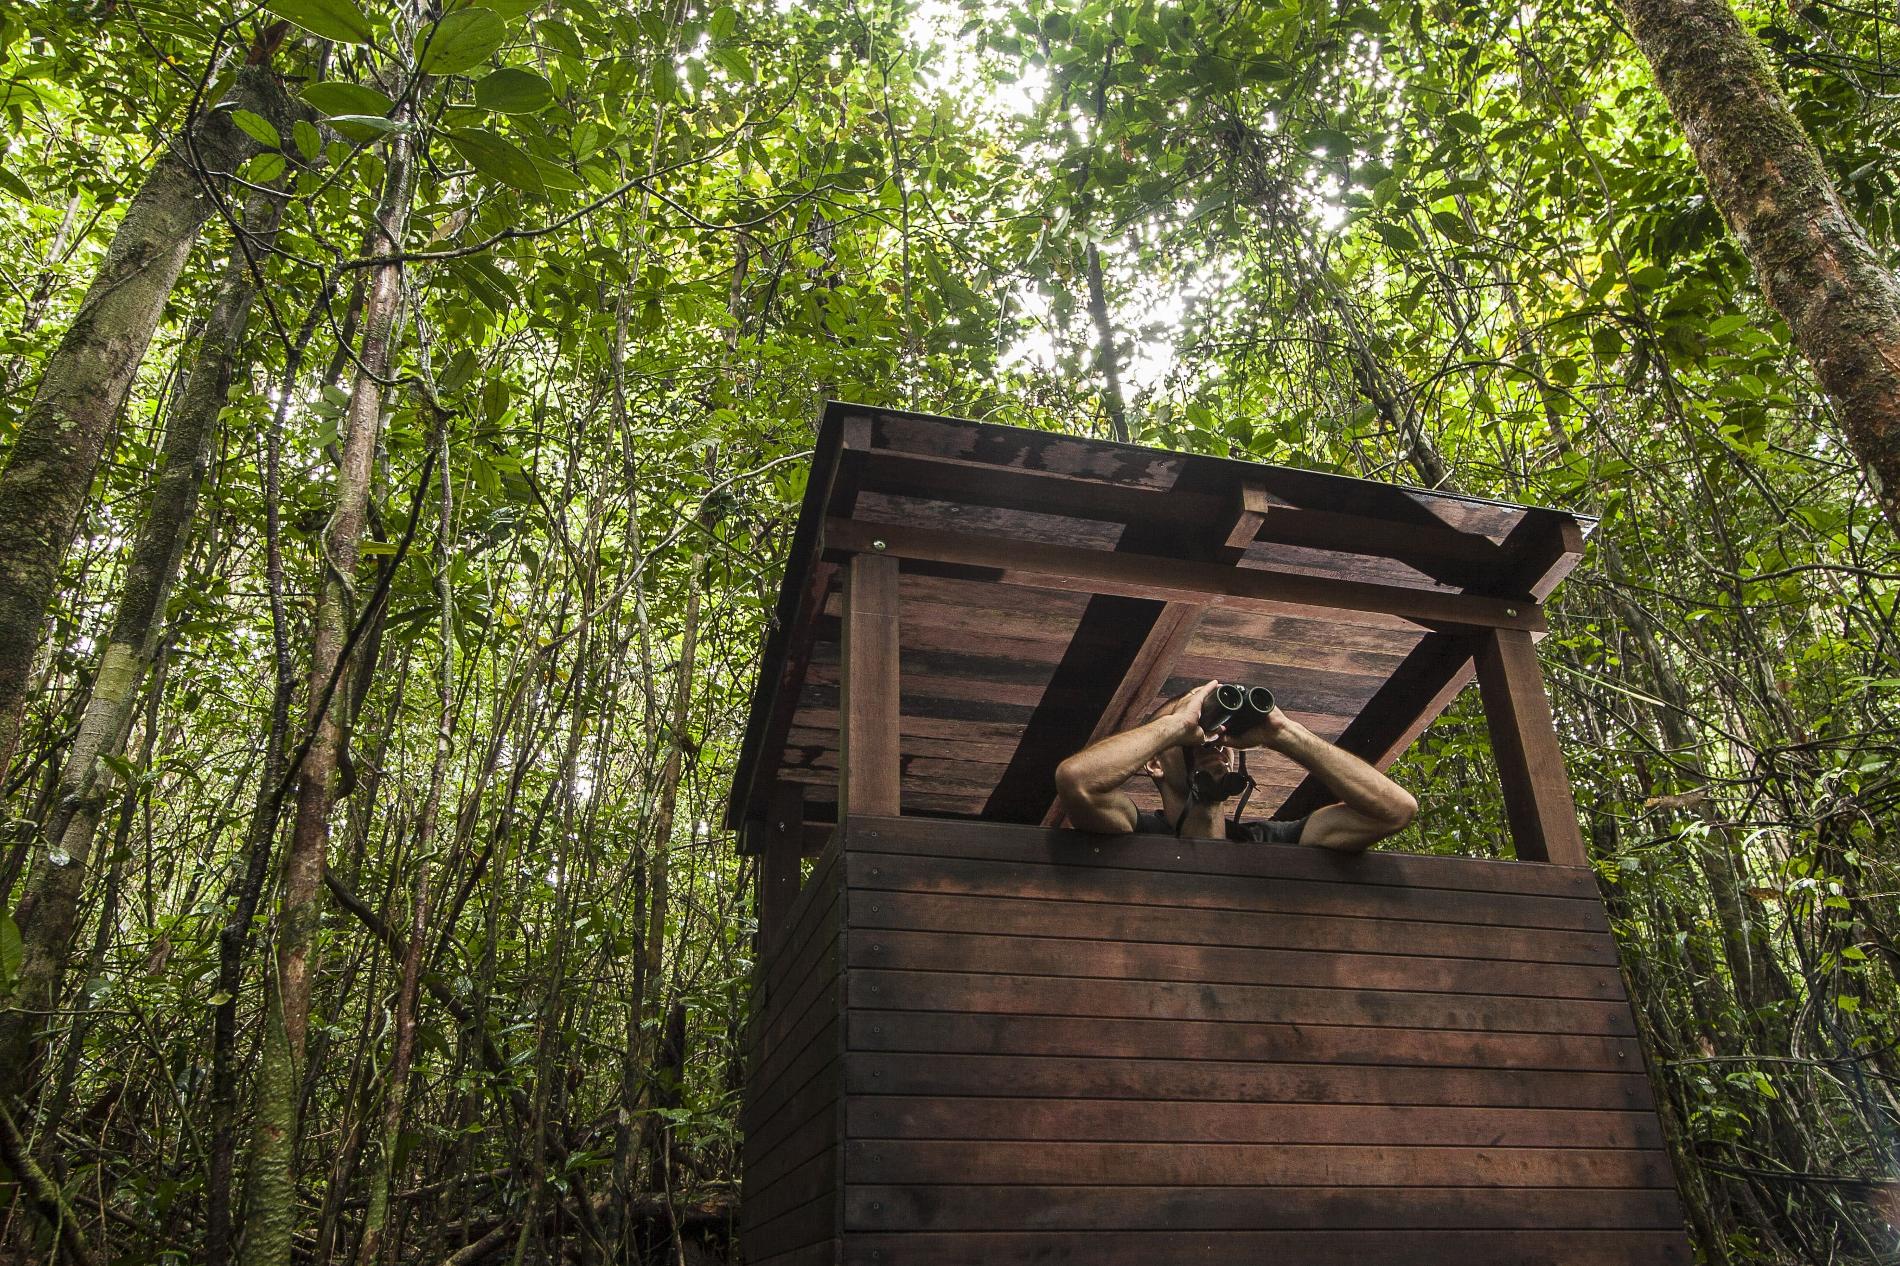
(257, 127)
(309, 141)
(512, 90)
(556, 177)
(11, 951)
(498, 158)
(1334, 142)
(1397, 236)
(338, 20)
(336, 96)
(461, 41)
(15, 186)
(1606, 342)
(363, 127)
(265, 168)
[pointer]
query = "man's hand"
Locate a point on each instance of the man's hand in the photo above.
(1186, 713)
(1277, 730)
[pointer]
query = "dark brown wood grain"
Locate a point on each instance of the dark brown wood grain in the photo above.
(1094, 921)
(905, 1161)
(1187, 1209)
(923, 837)
(1116, 1120)
(910, 950)
(1225, 1040)
(1129, 886)
(1333, 1247)
(987, 993)
(1235, 1081)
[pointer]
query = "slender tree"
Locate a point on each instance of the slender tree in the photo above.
(50, 467)
(1811, 257)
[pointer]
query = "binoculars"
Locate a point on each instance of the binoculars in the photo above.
(1237, 707)
(1241, 708)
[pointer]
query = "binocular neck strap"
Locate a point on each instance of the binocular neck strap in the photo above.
(1194, 798)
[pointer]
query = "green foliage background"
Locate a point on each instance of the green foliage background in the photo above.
(1427, 242)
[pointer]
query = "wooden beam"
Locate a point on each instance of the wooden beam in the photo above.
(870, 771)
(1159, 579)
(1537, 796)
(1167, 640)
(1248, 512)
(1420, 688)
(780, 848)
(1445, 554)
(1153, 665)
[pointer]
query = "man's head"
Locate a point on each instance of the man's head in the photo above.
(1173, 767)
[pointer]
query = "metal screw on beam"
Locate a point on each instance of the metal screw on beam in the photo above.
(879, 546)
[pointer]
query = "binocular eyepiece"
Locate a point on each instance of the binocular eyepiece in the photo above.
(1236, 707)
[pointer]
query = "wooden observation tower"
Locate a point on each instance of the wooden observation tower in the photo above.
(980, 1039)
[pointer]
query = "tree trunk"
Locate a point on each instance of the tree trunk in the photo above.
(403, 1021)
(1812, 259)
(272, 1202)
(47, 912)
(49, 472)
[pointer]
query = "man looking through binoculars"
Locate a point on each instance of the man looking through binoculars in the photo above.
(1171, 747)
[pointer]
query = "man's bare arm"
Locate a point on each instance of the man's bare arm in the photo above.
(1371, 806)
(1089, 783)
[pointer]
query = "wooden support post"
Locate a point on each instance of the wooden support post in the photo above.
(1537, 796)
(869, 772)
(782, 844)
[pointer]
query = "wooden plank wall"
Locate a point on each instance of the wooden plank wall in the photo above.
(794, 1070)
(1070, 1049)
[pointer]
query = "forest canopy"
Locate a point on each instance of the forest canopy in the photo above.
(405, 411)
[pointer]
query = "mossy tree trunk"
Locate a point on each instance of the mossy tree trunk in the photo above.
(48, 473)
(48, 912)
(272, 1207)
(1812, 259)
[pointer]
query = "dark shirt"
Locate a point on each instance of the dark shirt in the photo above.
(1269, 832)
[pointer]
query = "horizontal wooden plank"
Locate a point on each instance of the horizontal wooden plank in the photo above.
(904, 950)
(1251, 1165)
(1241, 634)
(1027, 523)
(955, 1032)
(809, 1050)
(810, 1172)
(822, 1253)
(1335, 1247)
(1158, 578)
(1122, 1121)
(1008, 842)
(1187, 1209)
(1065, 1077)
(807, 1113)
(964, 703)
(1261, 894)
(1023, 690)
(799, 1227)
(986, 914)
(822, 727)
(817, 970)
(1173, 1000)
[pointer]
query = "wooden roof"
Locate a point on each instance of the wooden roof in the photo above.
(1054, 588)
